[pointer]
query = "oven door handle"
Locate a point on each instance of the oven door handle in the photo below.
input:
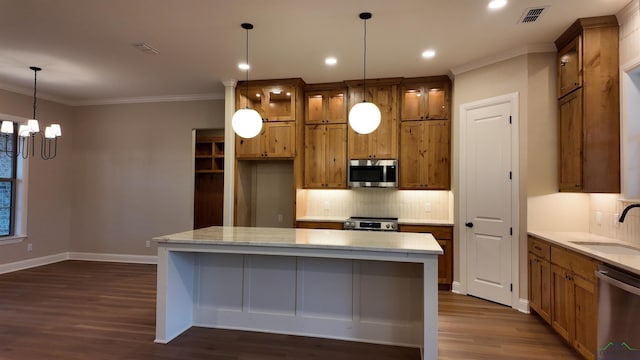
(603, 276)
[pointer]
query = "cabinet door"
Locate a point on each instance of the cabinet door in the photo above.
(570, 67)
(280, 103)
(586, 317)
(280, 139)
(562, 307)
(253, 99)
(250, 148)
(315, 107)
(412, 102)
(436, 97)
(314, 150)
(385, 138)
(411, 155)
(445, 263)
(335, 156)
(436, 155)
(540, 286)
(571, 142)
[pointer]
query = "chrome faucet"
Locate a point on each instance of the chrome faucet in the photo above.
(626, 210)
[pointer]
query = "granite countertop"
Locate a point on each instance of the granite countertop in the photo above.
(402, 221)
(307, 238)
(566, 239)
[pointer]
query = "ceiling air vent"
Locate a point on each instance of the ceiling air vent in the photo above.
(531, 15)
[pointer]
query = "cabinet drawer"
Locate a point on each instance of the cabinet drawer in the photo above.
(539, 248)
(438, 232)
(580, 265)
(330, 225)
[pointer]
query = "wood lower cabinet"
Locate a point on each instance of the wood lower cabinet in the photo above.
(330, 225)
(540, 278)
(571, 292)
(444, 236)
(325, 156)
(425, 155)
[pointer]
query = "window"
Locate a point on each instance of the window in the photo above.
(8, 183)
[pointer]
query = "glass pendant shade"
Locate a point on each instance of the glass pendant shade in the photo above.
(247, 123)
(57, 130)
(23, 131)
(364, 117)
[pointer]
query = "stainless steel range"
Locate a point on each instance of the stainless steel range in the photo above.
(371, 223)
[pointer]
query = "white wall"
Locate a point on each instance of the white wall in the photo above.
(133, 176)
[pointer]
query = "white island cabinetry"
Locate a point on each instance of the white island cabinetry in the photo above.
(363, 286)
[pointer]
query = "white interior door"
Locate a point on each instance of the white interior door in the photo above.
(488, 220)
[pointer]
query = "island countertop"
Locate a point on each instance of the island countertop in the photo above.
(307, 238)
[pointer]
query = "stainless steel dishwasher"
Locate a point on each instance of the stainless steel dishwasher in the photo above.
(618, 314)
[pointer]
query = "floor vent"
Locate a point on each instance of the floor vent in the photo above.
(532, 14)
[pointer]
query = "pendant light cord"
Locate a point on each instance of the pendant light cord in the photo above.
(35, 82)
(247, 62)
(364, 71)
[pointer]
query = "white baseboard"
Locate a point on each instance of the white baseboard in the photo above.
(30, 263)
(138, 259)
(457, 288)
(523, 306)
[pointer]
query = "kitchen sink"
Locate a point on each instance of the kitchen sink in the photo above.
(609, 248)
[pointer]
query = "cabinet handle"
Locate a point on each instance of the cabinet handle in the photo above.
(575, 84)
(537, 248)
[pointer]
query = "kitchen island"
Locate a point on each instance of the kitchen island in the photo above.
(353, 285)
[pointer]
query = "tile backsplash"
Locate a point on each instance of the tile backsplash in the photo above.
(404, 204)
(604, 212)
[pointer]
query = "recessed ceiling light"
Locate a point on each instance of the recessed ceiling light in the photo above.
(497, 4)
(330, 61)
(243, 66)
(427, 54)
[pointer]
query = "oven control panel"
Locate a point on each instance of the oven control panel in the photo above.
(371, 224)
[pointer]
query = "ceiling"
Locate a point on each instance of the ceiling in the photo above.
(85, 46)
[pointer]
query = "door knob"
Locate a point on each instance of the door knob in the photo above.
(469, 224)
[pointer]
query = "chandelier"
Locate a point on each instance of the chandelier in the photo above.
(27, 133)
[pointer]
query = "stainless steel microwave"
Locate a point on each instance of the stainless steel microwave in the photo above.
(373, 173)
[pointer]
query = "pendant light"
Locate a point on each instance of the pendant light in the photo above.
(364, 117)
(247, 123)
(27, 133)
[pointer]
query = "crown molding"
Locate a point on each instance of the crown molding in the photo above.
(627, 13)
(509, 54)
(149, 99)
(113, 101)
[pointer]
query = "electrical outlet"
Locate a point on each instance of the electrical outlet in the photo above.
(326, 205)
(598, 217)
(280, 217)
(29, 247)
(148, 243)
(427, 207)
(616, 223)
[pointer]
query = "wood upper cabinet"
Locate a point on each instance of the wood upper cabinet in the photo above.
(425, 98)
(570, 67)
(273, 103)
(424, 155)
(278, 103)
(589, 106)
(326, 106)
(571, 144)
(325, 156)
(383, 142)
(276, 140)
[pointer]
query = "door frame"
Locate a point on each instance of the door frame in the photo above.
(513, 100)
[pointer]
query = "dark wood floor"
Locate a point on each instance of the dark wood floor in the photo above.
(92, 310)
